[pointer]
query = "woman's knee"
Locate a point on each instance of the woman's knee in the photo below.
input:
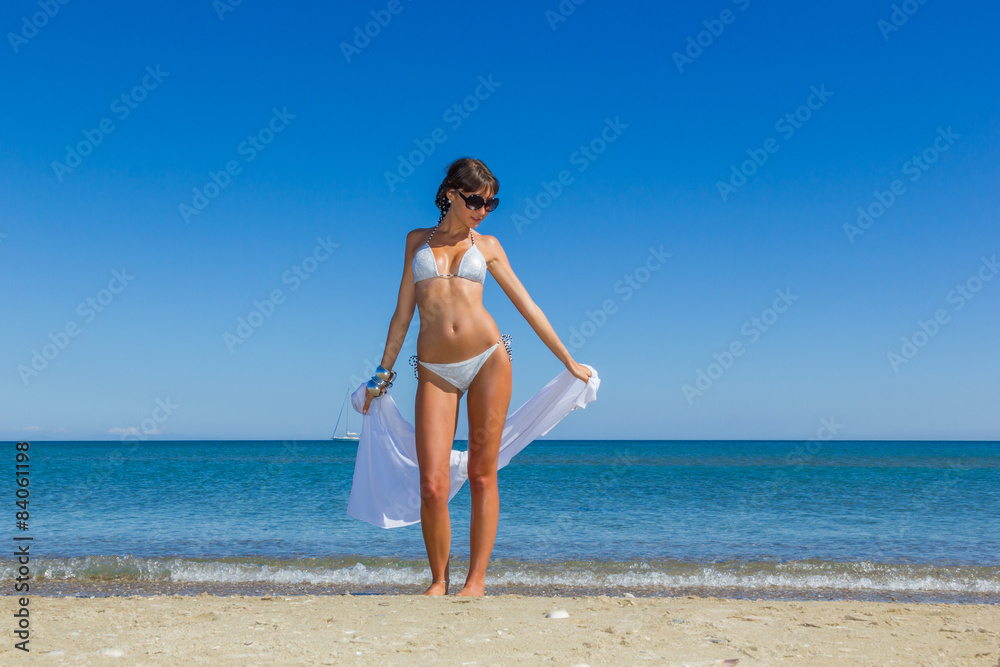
(434, 488)
(480, 482)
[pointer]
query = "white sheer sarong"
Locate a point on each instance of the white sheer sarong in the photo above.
(386, 486)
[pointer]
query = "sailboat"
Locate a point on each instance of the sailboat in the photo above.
(348, 436)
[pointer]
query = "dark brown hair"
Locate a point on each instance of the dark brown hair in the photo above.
(467, 174)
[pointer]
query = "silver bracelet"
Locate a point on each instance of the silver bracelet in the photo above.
(380, 382)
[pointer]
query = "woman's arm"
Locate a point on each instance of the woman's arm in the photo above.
(499, 267)
(406, 302)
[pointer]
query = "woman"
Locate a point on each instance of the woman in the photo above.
(455, 356)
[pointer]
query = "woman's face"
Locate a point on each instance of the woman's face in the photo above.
(465, 214)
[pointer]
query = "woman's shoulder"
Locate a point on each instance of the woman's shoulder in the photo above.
(488, 239)
(417, 236)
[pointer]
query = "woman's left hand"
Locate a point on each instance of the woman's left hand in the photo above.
(579, 371)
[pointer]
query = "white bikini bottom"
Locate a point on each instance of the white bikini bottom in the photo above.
(461, 373)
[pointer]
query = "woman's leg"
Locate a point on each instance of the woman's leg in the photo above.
(436, 417)
(487, 403)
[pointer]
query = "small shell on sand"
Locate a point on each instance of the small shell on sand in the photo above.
(557, 613)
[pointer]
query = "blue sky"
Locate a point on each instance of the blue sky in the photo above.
(164, 166)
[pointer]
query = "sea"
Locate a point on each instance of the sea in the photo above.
(786, 520)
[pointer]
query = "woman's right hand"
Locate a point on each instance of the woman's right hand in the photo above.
(579, 371)
(368, 401)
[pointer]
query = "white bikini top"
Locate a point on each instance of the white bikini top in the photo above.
(472, 265)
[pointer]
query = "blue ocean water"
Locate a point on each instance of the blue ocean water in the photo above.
(650, 517)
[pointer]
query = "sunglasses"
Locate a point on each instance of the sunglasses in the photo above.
(476, 202)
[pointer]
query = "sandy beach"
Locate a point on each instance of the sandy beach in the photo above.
(503, 630)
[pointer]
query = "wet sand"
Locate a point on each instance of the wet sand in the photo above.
(503, 630)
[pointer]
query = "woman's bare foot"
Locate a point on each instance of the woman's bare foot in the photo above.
(472, 590)
(437, 588)
(440, 586)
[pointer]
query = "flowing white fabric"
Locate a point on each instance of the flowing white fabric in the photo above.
(386, 486)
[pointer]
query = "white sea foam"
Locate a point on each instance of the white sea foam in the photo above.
(648, 576)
